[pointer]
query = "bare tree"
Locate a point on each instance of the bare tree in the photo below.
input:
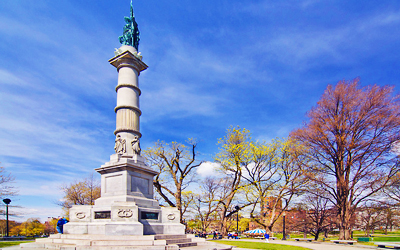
(320, 214)
(176, 164)
(370, 216)
(80, 192)
(392, 190)
(206, 203)
(350, 136)
(6, 187)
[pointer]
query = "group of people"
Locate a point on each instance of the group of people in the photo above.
(232, 235)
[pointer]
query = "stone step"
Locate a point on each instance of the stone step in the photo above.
(79, 242)
(122, 243)
(54, 236)
(188, 244)
(180, 240)
(119, 242)
(120, 248)
(107, 237)
(60, 246)
(170, 236)
(32, 245)
(44, 240)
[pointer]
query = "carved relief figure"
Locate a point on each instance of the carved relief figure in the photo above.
(120, 147)
(136, 145)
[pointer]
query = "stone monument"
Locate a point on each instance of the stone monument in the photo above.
(126, 205)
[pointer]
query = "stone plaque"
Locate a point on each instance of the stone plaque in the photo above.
(149, 216)
(113, 183)
(102, 215)
(140, 185)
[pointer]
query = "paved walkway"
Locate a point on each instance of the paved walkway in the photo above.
(309, 245)
(316, 245)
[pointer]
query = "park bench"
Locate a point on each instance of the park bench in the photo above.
(303, 239)
(350, 242)
(387, 245)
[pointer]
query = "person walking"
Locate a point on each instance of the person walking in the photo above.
(60, 224)
(266, 236)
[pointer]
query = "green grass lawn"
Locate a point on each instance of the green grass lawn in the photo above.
(387, 238)
(259, 245)
(11, 243)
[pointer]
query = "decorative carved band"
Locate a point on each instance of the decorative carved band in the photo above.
(128, 107)
(125, 213)
(80, 215)
(171, 216)
(127, 130)
(129, 86)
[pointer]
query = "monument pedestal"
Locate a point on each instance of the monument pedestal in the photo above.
(126, 206)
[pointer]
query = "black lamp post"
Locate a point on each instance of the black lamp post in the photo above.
(200, 217)
(7, 201)
(284, 229)
(237, 219)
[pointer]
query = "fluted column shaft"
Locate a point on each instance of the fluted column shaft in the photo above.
(127, 110)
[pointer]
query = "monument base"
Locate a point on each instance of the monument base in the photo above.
(121, 242)
(126, 205)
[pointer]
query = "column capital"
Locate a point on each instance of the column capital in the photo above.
(128, 59)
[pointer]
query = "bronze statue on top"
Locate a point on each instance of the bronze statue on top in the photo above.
(131, 31)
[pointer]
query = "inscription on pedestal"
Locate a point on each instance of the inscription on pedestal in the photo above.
(102, 215)
(149, 216)
(140, 185)
(113, 183)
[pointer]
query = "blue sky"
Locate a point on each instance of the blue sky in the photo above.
(212, 64)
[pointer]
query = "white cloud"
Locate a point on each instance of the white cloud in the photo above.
(396, 148)
(303, 47)
(43, 213)
(208, 169)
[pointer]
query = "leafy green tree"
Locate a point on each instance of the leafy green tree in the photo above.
(275, 177)
(31, 227)
(244, 224)
(232, 156)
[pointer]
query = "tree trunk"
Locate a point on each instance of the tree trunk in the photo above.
(178, 198)
(317, 234)
(223, 229)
